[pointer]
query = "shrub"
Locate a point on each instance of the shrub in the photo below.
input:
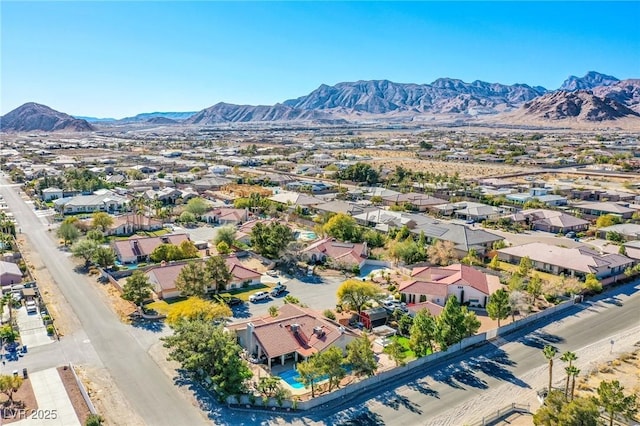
(50, 329)
(94, 420)
(328, 313)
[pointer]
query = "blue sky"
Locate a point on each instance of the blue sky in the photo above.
(114, 59)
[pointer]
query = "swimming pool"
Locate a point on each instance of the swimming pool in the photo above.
(290, 377)
(126, 265)
(306, 235)
(366, 270)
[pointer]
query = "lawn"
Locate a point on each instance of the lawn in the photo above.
(404, 341)
(244, 293)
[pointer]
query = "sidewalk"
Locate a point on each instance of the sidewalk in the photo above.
(53, 401)
(33, 332)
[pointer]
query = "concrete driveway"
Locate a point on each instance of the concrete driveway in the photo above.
(33, 332)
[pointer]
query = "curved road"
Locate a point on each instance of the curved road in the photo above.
(148, 390)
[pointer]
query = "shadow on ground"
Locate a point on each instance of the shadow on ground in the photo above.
(155, 326)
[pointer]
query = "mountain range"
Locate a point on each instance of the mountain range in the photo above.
(593, 98)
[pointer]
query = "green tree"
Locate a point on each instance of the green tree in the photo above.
(166, 252)
(197, 206)
(612, 399)
(374, 238)
(404, 324)
(137, 288)
(423, 333)
(549, 353)
(218, 272)
(556, 411)
(498, 306)
(396, 352)
(471, 258)
(95, 235)
(592, 283)
(356, 294)
(534, 288)
(343, 227)
(8, 334)
(494, 263)
(196, 308)
(68, 232)
(209, 351)
(223, 248)
(270, 240)
(310, 371)
(331, 361)
(525, 266)
(226, 234)
(607, 220)
(104, 256)
(187, 250)
(568, 357)
(187, 217)
(361, 357)
(572, 371)
(268, 386)
(101, 221)
(454, 323)
(85, 249)
(359, 172)
(9, 384)
(192, 280)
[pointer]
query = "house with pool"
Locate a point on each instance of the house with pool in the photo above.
(292, 336)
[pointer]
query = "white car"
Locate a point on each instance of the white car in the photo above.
(261, 295)
(31, 306)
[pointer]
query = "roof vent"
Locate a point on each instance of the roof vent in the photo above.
(294, 327)
(318, 331)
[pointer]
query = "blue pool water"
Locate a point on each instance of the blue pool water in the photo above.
(128, 265)
(367, 269)
(290, 377)
(305, 235)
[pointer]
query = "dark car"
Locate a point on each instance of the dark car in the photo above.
(279, 289)
(233, 301)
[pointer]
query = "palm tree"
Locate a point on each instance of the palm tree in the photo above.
(549, 352)
(568, 357)
(572, 371)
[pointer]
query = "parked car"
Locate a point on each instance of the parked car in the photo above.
(31, 306)
(261, 295)
(272, 273)
(277, 290)
(232, 301)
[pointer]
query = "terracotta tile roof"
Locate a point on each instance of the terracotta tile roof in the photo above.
(424, 278)
(144, 246)
(293, 331)
(433, 308)
(350, 253)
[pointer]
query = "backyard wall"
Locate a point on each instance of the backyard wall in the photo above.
(352, 390)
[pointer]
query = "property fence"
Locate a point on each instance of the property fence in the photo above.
(353, 390)
(83, 391)
(504, 412)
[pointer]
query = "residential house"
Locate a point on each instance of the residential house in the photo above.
(138, 249)
(383, 220)
(463, 238)
(163, 277)
(436, 284)
(211, 183)
(629, 231)
(102, 200)
(131, 223)
(556, 260)
(594, 210)
(550, 221)
(337, 252)
(414, 200)
(10, 273)
(49, 194)
(295, 199)
(226, 216)
(294, 334)
(374, 317)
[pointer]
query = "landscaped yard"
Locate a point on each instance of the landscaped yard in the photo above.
(404, 341)
(504, 266)
(244, 293)
(165, 306)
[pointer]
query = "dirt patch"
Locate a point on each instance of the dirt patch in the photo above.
(73, 392)
(625, 369)
(24, 402)
(107, 398)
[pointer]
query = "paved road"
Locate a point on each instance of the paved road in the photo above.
(151, 394)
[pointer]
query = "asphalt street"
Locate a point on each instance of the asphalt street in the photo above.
(150, 393)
